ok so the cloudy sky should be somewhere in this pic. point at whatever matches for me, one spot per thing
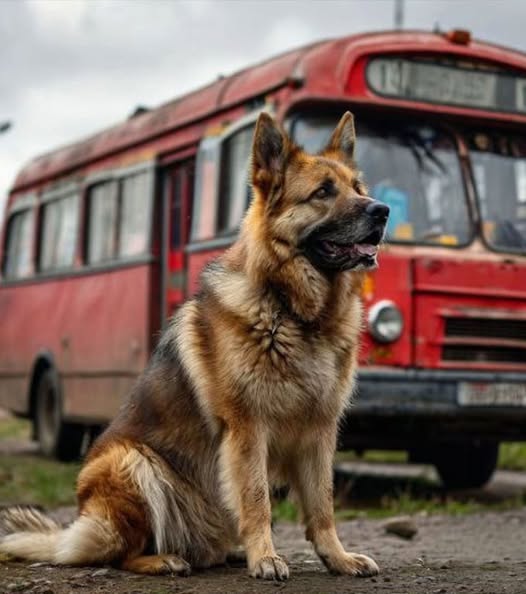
(71, 67)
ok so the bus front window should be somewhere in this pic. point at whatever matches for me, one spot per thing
(414, 169)
(499, 170)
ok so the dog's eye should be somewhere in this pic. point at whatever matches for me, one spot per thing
(324, 191)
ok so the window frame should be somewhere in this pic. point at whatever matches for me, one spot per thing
(117, 176)
(54, 195)
(23, 203)
(224, 171)
(481, 233)
(453, 132)
(215, 144)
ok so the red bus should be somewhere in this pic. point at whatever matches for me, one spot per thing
(105, 238)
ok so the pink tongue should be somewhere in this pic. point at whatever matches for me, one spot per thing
(366, 249)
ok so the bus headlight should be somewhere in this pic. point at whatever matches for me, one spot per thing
(385, 321)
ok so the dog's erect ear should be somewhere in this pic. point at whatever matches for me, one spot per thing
(269, 152)
(343, 138)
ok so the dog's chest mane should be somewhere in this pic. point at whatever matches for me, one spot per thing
(269, 353)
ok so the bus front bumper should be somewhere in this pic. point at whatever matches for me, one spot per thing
(398, 408)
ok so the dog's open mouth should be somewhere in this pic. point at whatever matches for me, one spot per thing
(349, 255)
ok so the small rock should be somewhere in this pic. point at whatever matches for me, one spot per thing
(100, 572)
(80, 575)
(20, 587)
(39, 564)
(403, 526)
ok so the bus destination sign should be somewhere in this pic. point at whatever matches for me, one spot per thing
(445, 84)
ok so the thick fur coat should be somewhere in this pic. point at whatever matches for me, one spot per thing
(244, 391)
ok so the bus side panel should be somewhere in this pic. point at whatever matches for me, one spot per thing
(95, 326)
(14, 393)
(196, 262)
(15, 365)
(95, 399)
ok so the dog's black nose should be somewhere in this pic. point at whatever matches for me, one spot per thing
(378, 211)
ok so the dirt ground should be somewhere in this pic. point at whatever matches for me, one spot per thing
(481, 553)
(473, 554)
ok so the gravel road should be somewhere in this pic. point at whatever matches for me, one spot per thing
(475, 554)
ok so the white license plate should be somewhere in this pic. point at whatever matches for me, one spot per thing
(482, 394)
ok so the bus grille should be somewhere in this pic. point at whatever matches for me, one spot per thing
(485, 340)
(484, 354)
(486, 328)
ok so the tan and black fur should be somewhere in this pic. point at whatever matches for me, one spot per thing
(244, 391)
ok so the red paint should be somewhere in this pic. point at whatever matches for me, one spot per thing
(99, 326)
(463, 288)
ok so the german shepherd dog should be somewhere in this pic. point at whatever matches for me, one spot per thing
(244, 390)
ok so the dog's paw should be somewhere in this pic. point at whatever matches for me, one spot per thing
(270, 568)
(352, 564)
(176, 566)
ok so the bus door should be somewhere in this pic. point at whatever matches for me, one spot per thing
(178, 183)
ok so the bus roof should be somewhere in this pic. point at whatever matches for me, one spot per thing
(319, 65)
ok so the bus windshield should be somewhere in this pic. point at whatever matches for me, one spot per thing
(499, 170)
(414, 169)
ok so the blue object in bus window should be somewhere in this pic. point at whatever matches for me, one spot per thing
(397, 201)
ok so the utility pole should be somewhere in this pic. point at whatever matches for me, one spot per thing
(399, 14)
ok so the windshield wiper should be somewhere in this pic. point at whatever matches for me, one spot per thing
(415, 143)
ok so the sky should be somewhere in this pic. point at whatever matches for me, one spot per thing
(71, 67)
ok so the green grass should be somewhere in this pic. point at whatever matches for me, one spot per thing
(31, 479)
(12, 428)
(404, 503)
(382, 497)
(386, 456)
(284, 511)
(512, 456)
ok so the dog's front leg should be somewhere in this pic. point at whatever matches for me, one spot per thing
(313, 480)
(245, 482)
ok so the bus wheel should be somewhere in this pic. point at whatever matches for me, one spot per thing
(466, 466)
(57, 439)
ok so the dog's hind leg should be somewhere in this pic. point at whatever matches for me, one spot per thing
(157, 565)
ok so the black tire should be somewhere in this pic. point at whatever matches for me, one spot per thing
(465, 465)
(57, 438)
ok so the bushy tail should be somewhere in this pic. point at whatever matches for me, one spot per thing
(22, 518)
(27, 533)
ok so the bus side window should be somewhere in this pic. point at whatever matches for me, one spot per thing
(234, 192)
(58, 235)
(135, 215)
(18, 247)
(102, 222)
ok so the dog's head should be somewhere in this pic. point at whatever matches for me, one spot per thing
(316, 205)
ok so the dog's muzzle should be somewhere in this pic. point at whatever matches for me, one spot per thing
(349, 242)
